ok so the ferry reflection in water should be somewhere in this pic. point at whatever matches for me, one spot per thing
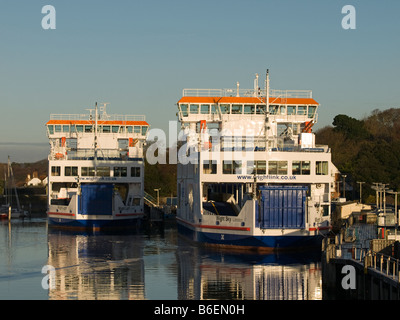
(96, 266)
(167, 267)
(210, 274)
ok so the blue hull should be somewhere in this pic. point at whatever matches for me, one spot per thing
(250, 242)
(94, 224)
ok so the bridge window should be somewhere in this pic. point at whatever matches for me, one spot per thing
(260, 109)
(214, 109)
(311, 111)
(225, 108)
(88, 128)
(237, 108)
(248, 109)
(194, 108)
(302, 110)
(144, 130)
(79, 128)
(136, 129)
(273, 109)
(115, 129)
(291, 110)
(184, 110)
(205, 109)
(51, 129)
(65, 128)
(58, 128)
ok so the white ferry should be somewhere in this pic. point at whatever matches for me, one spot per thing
(253, 176)
(96, 170)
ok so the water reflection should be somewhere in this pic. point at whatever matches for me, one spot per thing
(164, 266)
(212, 274)
(96, 266)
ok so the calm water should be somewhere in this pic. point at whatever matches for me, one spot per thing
(157, 265)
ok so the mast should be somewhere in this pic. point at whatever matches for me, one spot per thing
(95, 140)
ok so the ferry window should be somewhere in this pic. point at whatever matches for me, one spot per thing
(205, 109)
(321, 168)
(214, 109)
(136, 129)
(144, 130)
(231, 167)
(87, 171)
(120, 171)
(51, 129)
(70, 171)
(79, 128)
(311, 111)
(65, 128)
(209, 167)
(103, 171)
(227, 167)
(72, 128)
(225, 108)
(282, 110)
(273, 109)
(194, 108)
(58, 128)
(88, 128)
(55, 171)
(257, 167)
(135, 172)
(291, 110)
(106, 129)
(301, 167)
(184, 110)
(248, 109)
(260, 109)
(129, 129)
(301, 110)
(115, 129)
(237, 109)
(121, 129)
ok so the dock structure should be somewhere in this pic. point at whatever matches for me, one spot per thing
(364, 269)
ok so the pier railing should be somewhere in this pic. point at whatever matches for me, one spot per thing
(378, 261)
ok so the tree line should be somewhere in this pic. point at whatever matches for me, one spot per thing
(366, 150)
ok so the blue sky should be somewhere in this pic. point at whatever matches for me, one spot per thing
(139, 55)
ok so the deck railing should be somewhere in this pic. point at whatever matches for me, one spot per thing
(194, 92)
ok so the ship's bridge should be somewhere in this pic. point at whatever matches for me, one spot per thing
(276, 124)
(79, 136)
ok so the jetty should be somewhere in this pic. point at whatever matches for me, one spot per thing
(357, 265)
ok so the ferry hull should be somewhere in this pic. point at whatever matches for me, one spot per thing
(249, 241)
(93, 224)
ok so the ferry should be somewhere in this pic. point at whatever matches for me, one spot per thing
(96, 170)
(250, 175)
